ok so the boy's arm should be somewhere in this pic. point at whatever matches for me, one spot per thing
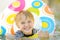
(43, 35)
(20, 39)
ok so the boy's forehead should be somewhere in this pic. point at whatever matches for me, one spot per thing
(25, 16)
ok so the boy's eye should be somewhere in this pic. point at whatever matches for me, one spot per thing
(29, 21)
(22, 22)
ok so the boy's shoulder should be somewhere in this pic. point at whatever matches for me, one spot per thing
(18, 34)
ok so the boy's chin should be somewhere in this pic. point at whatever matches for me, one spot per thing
(27, 31)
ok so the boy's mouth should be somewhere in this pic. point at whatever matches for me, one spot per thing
(27, 29)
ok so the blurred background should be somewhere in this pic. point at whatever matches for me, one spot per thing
(4, 3)
(54, 5)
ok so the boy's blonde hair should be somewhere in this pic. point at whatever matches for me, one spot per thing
(27, 14)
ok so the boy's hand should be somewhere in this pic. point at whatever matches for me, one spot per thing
(43, 35)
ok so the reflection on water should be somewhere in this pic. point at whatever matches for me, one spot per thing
(55, 37)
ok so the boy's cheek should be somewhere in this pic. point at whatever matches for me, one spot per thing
(21, 28)
(31, 24)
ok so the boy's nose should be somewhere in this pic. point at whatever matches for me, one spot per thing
(26, 24)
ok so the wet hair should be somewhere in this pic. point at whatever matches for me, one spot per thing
(27, 14)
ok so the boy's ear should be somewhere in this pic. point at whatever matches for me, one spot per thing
(18, 27)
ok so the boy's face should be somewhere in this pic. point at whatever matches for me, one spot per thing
(26, 24)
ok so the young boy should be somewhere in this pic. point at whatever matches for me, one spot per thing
(25, 22)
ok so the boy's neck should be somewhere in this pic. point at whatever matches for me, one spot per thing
(29, 33)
